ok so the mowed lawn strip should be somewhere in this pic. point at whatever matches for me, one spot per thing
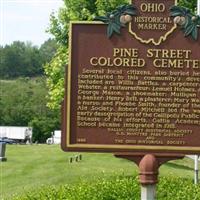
(31, 166)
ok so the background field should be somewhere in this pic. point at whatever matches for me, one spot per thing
(30, 167)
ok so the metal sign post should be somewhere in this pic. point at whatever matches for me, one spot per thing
(149, 170)
(196, 169)
(148, 192)
(149, 166)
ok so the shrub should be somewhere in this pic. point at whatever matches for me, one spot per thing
(120, 188)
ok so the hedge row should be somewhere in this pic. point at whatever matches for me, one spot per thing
(126, 188)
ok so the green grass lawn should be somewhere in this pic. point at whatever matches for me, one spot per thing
(30, 167)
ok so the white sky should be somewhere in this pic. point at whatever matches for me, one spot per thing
(26, 20)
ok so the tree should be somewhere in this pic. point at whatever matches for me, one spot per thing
(23, 103)
(43, 126)
(191, 4)
(24, 59)
(48, 50)
(20, 59)
(59, 27)
(55, 71)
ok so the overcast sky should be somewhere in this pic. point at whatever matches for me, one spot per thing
(26, 20)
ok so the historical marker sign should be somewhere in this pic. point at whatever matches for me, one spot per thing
(138, 91)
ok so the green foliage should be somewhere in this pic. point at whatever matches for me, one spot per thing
(59, 28)
(104, 6)
(24, 59)
(177, 189)
(191, 24)
(20, 59)
(48, 50)
(55, 71)
(191, 4)
(20, 99)
(23, 103)
(43, 126)
(118, 188)
(113, 18)
(72, 10)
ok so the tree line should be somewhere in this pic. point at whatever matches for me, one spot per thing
(23, 103)
(21, 59)
(23, 99)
